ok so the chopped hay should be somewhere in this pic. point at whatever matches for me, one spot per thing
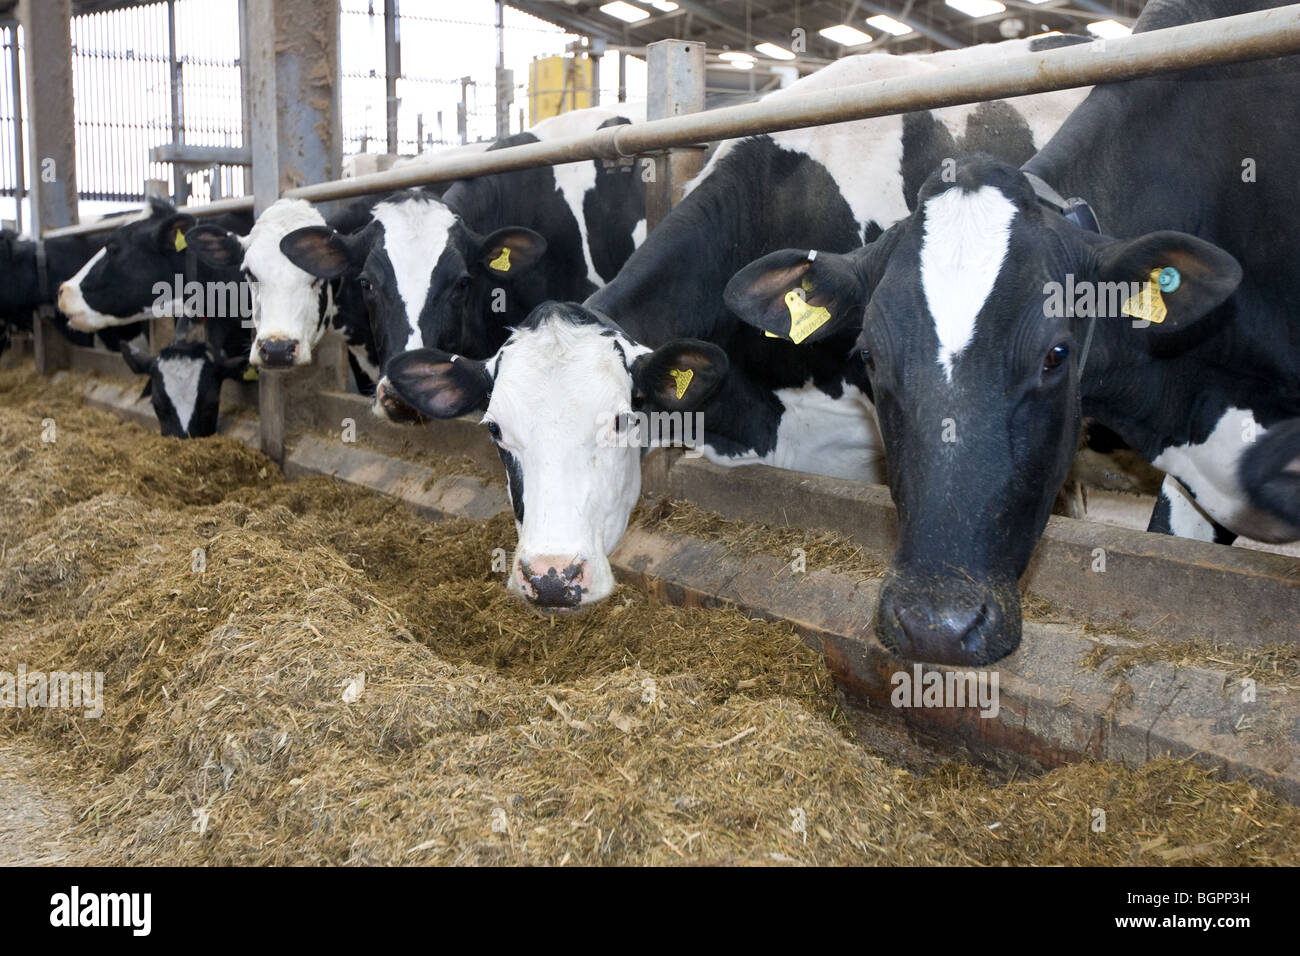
(345, 682)
(823, 550)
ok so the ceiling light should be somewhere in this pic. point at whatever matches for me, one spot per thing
(733, 56)
(624, 11)
(977, 8)
(1109, 29)
(774, 51)
(889, 25)
(667, 6)
(845, 35)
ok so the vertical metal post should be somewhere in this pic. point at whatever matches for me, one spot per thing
(245, 93)
(392, 69)
(675, 86)
(622, 76)
(462, 111)
(294, 54)
(16, 87)
(47, 27)
(502, 83)
(180, 185)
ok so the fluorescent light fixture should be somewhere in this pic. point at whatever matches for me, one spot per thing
(774, 51)
(1049, 33)
(736, 56)
(1039, 1)
(974, 8)
(1109, 29)
(845, 35)
(741, 64)
(889, 25)
(667, 6)
(624, 11)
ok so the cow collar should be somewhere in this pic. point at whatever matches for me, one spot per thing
(1075, 210)
(1080, 213)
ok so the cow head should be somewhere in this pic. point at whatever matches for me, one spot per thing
(184, 385)
(554, 398)
(291, 307)
(427, 278)
(117, 285)
(976, 379)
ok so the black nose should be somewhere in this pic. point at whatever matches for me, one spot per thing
(277, 353)
(943, 636)
(554, 588)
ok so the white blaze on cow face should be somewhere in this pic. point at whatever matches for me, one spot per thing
(558, 386)
(416, 232)
(287, 304)
(180, 379)
(967, 235)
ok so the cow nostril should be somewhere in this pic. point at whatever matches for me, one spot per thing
(555, 587)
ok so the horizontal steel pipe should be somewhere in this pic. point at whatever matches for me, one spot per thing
(1250, 36)
(220, 207)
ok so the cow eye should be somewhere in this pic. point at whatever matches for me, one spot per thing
(1055, 357)
(462, 283)
(494, 430)
(869, 359)
(364, 284)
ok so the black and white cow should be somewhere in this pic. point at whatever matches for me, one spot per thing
(292, 309)
(1190, 348)
(147, 268)
(184, 384)
(32, 271)
(458, 272)
(762, 399)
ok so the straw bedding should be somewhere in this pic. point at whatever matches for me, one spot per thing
(346, 683)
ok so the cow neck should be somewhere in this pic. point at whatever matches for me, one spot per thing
(1140, 185)
(653, 310)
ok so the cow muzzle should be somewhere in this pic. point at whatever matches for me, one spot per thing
(390, 407)
(556, 582)
(936, 623)
(276, 353)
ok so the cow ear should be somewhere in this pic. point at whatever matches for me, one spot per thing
(1270, 471)
(170, 234)
(324, 253)
(438, 384)
(681, 375)
(798, 295)
(140, 362)
(215, 247)
(1177, 278)
(512, 250)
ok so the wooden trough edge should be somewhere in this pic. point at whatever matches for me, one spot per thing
(1050, 710)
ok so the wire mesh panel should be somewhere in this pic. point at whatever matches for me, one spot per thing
(162, 74)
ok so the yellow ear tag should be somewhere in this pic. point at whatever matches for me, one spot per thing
(250, 374)
(683, 379)
(1147, 304)
(804, 318)
(502, 262)
(181, 244)
(771, 335)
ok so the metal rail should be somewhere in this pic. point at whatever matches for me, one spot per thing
(1251, 36)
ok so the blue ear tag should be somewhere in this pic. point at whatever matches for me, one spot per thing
(1170, 280)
